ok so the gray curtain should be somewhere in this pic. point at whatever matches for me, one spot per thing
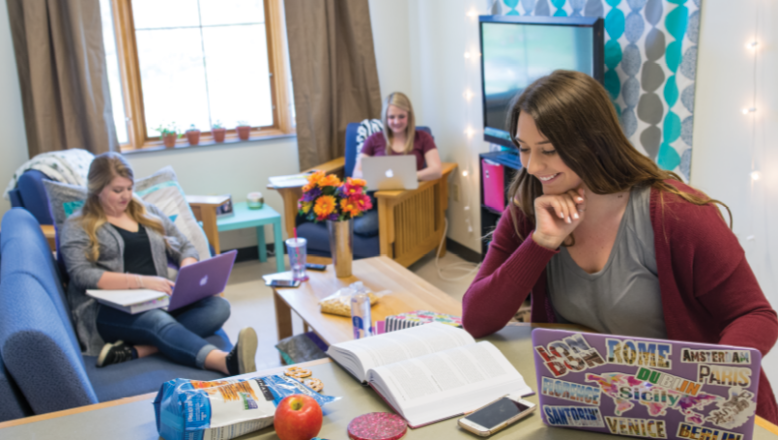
(333, 71)
(62, 73)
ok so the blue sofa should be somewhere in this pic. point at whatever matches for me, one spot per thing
(38, 345)
(318, 241)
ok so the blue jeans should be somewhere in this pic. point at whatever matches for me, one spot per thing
(177, 334)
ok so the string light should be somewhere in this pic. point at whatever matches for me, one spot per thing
(467, 54)
(465, 173)
(756, 175)
(749, 110)
(752, 45)
(468, 95)
(469, 132)
(472, 13)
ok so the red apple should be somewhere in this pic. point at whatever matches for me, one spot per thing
(298, 417)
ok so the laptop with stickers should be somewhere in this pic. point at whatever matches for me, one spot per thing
(650, 388)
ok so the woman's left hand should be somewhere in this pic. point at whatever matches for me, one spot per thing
(187, 261)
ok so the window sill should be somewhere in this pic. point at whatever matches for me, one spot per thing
(205, 141)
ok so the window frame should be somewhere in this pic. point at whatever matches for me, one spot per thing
(132, 89)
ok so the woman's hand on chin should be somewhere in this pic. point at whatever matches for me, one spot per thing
(557, 216)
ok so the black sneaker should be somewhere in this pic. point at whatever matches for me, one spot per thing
(114, 353)
(240, 359)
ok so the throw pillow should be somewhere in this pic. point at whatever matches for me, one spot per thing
(64, 200)
(162, 190)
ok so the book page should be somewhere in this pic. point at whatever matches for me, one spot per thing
(403, 344)
(450, 382)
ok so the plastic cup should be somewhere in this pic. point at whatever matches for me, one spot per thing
(296, 248)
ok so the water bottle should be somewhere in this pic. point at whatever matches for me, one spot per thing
(360, 312)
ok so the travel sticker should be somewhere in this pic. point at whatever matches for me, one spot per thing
(669, 381)
(639, 354)
(735, 411)
(573, 416)
(574, 392)
(699, 432)
(724, 375)
(572, 353)
(649, 428)
(626, 390)
(690, 356)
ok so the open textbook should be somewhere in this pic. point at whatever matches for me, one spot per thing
(430, 372)
(131, 301)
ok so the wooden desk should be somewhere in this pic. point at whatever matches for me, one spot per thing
(134, 418)
(408, 293)
(204, 210)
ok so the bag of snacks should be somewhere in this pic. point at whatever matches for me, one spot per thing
(223, 409)
(339, 303)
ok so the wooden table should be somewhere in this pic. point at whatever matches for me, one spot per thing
(408, 293)
(133, 418)
(244, 217)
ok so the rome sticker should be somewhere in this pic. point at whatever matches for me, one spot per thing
(648, 428)
(572, 353)
(639, 354)
(577, 416)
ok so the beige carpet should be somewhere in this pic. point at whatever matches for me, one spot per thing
(252, 301)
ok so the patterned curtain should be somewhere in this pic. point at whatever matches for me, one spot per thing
(650, 67)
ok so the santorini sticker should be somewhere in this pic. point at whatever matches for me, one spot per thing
(690, 356)
(640, 354)
(735, 411)
(698, 432)
(649, 428)
(573, 416)
(571, 354)
(573, 392)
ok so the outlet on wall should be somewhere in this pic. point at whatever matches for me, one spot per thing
(455, 191)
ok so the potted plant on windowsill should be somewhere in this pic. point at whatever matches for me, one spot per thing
(193, 135)
(218, 131)
(169, 135)
(244, 130)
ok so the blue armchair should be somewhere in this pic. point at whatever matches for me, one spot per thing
(38, 346)
(410, 223)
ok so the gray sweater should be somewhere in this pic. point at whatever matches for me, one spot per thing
(84, 273)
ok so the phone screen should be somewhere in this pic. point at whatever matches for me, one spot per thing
(282, 283)
(497, 413)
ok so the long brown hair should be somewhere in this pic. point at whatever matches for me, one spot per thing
(102, 171)
(575, 114)
(399, 100)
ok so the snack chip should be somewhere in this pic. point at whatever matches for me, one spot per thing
(223, 409)
(339, 303)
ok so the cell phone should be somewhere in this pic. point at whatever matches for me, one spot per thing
(284, 283)
(495, 416)
(312, 266)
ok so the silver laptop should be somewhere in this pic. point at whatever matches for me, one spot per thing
(390, 172)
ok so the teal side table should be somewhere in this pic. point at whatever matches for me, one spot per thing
(257, 218)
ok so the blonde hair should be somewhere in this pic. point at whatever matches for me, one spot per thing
(102, 171)
(399, 100)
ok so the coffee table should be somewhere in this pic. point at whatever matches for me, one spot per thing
(408, 292)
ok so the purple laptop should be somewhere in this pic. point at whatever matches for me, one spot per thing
(641, 387)
(202, 279)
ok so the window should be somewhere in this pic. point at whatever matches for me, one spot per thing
(184, 63)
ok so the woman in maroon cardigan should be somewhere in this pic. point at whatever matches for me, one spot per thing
(600, 236)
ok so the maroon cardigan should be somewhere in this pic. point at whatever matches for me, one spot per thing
(709, 293)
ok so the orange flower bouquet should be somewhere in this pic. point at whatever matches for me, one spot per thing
(325, 197)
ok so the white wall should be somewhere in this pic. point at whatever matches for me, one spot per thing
(728, 144)
(13, 140)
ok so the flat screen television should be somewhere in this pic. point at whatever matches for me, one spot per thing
(515, 51)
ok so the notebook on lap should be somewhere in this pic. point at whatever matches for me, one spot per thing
(201, 280)
(648, 388)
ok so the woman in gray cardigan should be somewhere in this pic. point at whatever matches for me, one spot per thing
(117, 242)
